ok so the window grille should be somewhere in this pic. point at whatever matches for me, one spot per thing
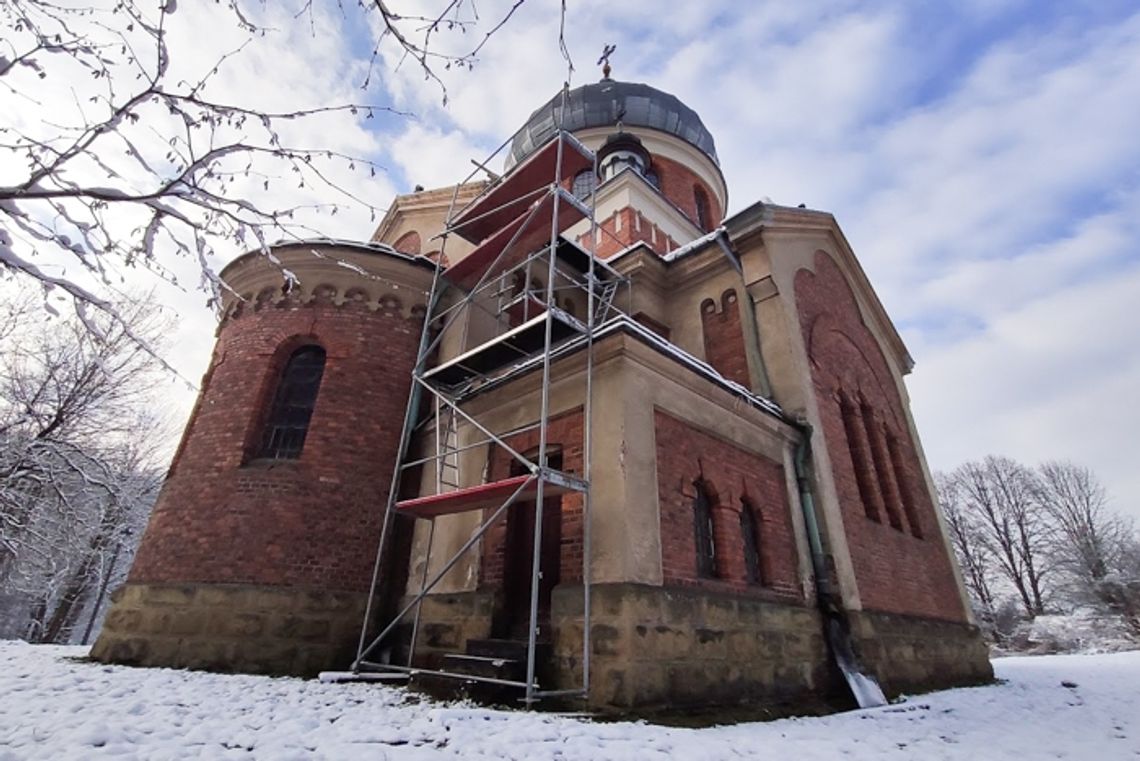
(706, 545)
(293, 404)
(750, 530)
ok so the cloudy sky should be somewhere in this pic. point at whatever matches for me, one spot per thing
(981, 156)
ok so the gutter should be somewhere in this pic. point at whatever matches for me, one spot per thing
(864, 687)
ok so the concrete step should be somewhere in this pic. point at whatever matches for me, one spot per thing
(509, 649)
(491, 667)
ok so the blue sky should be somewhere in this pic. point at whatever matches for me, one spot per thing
(981, 156)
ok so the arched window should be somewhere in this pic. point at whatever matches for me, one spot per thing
(704, 215)
(703, 525)
(584, 184)
(293, 404)
(750, 530)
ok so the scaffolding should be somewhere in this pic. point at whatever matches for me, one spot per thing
(522, 274)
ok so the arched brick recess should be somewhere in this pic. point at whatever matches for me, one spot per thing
(724, 337)
(896, 570)
(686, 454)
(408, 243)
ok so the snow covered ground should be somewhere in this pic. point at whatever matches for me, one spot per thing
(52, 707)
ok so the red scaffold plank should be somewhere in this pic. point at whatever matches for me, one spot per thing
(532, 232)
(491, 494)
(516, 191)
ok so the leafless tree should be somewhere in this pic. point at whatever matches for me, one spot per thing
(1093, 547)
(1003, 497)
(115, 154)
(1088, 538)
(78, 451)
(974, 555)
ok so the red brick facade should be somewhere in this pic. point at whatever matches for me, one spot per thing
(628, 226)
(624, 228)
(564, 434)
(685, 455)
(679, 184)
(226, 517)
(887, 509)
(724, 337)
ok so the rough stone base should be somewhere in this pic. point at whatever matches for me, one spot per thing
(232, 628)
(447, 621)
(655, 648)
(917, 655)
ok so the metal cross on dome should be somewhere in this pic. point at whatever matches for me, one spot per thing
(604, 61)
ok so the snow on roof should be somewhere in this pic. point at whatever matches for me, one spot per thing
(624, 323)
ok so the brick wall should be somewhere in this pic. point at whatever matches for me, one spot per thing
(627, 226)
(686, 454)
(223, 517)
(724, 337)
(678, 184)
(564, 431)
(900, 561)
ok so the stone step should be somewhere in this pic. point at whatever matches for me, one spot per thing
(508, 649)
(457, 688)
(486, 666)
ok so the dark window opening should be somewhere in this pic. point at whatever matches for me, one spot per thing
(703, 523)
(584, 184)
(750, 530)
(704, 215)
(293, 404)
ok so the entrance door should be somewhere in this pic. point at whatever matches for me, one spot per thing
(518, 561)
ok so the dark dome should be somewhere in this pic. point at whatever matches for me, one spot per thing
(604, 103)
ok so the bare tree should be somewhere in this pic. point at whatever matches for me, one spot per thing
(1088, 539)
(117, 155)
(974, 555)
(78, 452)
(1093, 547)
(1003, 496)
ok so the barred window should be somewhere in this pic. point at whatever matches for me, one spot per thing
(703, 523)
(293, 404)
(750, 530)
(584, 184)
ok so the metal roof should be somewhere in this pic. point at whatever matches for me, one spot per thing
(607, 102)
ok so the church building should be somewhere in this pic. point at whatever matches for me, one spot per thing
(565, 431)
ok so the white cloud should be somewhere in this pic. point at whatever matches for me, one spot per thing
(991, 187)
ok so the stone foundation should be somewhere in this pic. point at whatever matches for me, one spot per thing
(447, 621)
(667, 648)
(232, 628)
(908, 654)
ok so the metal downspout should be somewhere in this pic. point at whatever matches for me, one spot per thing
(864, 688)
(807, 506)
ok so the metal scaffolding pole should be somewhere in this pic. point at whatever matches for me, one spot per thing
(450, 383)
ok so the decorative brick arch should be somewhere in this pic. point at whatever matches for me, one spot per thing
(408, 243)
(724, 337)
(886, 506)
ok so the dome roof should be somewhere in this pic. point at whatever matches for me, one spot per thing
(607, 102)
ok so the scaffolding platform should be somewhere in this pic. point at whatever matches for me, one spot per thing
(505, 350)
(478, 497)
(495, 207)
(522, 268)
(525, 233)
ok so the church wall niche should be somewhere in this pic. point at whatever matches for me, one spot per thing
(897, 572)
